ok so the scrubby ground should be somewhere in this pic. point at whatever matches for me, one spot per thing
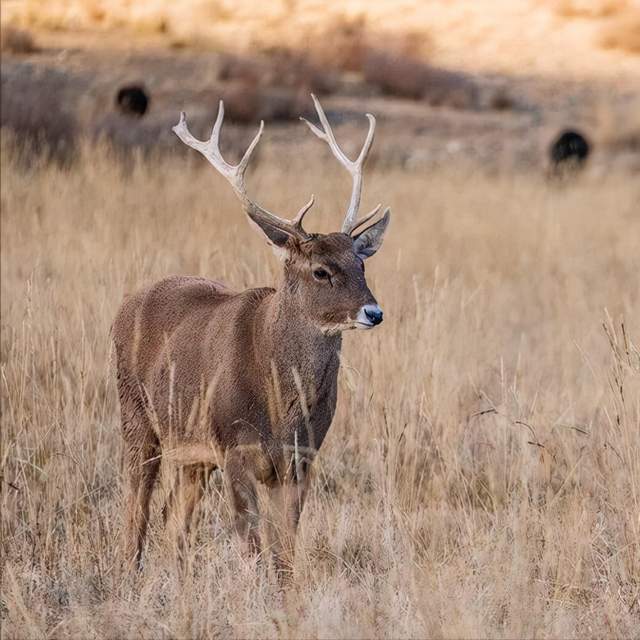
(482, 475)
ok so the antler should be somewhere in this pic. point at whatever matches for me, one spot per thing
(234, 174)
(353, 167)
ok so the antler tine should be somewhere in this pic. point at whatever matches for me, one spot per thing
(297, 221)
(354, 167)
(214, 138)
(210, 149)
(366, 218)
(234, 174)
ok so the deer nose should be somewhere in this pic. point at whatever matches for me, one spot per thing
(371, 314)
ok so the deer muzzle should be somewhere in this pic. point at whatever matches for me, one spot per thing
(369, 316)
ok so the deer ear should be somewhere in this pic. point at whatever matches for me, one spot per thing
(276, 236)
(367, 242)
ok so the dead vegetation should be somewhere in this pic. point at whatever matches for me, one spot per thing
(481, 476)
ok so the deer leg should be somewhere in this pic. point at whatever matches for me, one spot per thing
(240, 481)
(143, 466)
(287, 501)
(142, 462)
(178, 511)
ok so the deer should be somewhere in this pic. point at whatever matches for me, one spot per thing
(244, 382)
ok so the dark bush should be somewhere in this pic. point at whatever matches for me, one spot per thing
(569, 151)
(132, 100)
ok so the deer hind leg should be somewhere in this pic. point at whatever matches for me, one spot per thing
(142, 451)
(143, 465)
(189, 487)
(240, 469)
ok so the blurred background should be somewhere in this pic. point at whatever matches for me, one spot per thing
(493, 83)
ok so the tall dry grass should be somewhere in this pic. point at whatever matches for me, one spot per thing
(482, 475)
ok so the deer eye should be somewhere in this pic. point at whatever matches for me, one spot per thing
(321, 274)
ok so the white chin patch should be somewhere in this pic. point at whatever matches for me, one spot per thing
(362, 320)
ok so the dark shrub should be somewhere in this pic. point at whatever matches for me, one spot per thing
(132, 100)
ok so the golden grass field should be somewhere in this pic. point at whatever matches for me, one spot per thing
(482, 475)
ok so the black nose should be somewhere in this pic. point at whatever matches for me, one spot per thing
(375, 315)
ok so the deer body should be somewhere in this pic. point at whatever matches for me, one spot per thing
(246, 343)
(247, 381)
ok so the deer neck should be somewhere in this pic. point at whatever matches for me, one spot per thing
(295, 361)
(288, 338)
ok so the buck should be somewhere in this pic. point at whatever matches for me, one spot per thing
(245, 382)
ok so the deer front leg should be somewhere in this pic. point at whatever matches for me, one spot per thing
(287, 501)
(240, 480)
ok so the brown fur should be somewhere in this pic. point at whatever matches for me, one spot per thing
(249, 380)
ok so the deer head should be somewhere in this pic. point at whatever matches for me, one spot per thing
(324, 273)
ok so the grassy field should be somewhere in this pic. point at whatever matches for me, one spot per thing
(482, 475)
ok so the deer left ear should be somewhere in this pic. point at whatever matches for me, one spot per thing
(367, 242)
(275, 234)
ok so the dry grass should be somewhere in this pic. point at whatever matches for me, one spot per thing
(482, 476)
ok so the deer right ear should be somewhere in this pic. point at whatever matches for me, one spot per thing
(367, 242)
